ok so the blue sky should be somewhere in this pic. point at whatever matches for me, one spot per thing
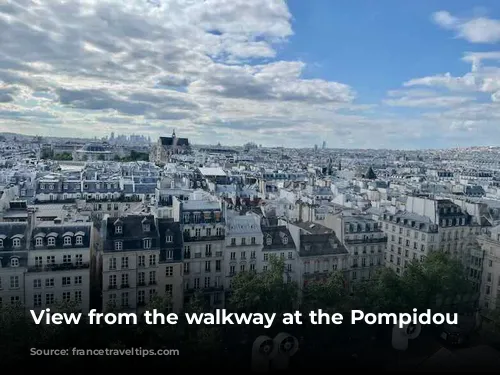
(355, 73)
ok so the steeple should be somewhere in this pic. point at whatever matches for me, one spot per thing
(173, 134)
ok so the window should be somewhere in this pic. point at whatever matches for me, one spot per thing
(14, 282)
(118, 245)
(141, 279)
(207, 266)
(233, 255)
(141, 297)
(218, 265)
(37, 300)
(152, 277)
(16, 242)
(124, 280)
(142, 260)
(14, 262)
(169, 271)
(67, 241)
(252, 240)
(37, 283)
(146, 227)
(147, 244)
(51, 241)
(66, 281)
(243, 241)
(125, 263)
(118, 229)
(49, 283)
(49, 299)
(66, 296)
(112, 281)
(112, 263)
(125, 299)
(152, 260)
(266, 257)
(269, 241)
(67, 258)
(79, 240)
(39, 241)
(285, 240)
(1, 243)
(169, 289)
(170, 254)
(79, 259)
(14, 300)
(169, 239)
(78, 280)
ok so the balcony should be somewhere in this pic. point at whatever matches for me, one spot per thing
(366, 240)
(211, 289)
(59, 267)
(188, 238)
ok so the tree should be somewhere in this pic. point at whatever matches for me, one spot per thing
(330, 295)
(264, 292)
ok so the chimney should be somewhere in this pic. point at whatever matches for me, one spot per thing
(31, 225)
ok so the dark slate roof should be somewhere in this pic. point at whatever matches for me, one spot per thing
(277, 233)
(8, 231)
(167, 227)
(170, 141)
(320, 244)
(59, 231)
(132, 232)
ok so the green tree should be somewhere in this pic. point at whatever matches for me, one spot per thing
(264, 292)
(330, 295)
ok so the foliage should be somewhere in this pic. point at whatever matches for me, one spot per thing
(134, 156)
(265, 292)
(63, 156)
(330, 295)
(438, 276)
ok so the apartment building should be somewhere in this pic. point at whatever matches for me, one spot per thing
(364, 240)
(13, 262)
(244, 243)
(130, 262)
(428, 225)
(320, 253)
(278, 241)
(170, 265)
(58, 268)
(203, 226)
(490, 287)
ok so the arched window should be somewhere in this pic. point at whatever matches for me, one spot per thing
(16, 242)
(51, 241)
(79, 240)
(67, 240)
(14, 262)
(39, 241)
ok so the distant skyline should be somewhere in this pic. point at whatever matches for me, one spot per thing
(355, 74)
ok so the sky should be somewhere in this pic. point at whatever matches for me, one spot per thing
(353, 73)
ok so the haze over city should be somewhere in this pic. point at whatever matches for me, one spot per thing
(294, 74)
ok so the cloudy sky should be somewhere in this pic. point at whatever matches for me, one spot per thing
(358, 73)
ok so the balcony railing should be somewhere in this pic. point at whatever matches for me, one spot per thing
(366, 240)
(59, 267)
(188, 238)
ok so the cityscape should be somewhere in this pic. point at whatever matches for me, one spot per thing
(112, 224)
(259, 158)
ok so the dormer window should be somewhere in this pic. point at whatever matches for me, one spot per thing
(118, 245)
(1, 243)
(39, 241)
(14, 262)
(118, 229)
(79, 240)
(16, 242)
(67, 241)
(285, 240)
(51, 241)
(269, 240)
(169, 239)
(146, 227)
(147, 243)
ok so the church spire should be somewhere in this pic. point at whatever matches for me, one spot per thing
(173, 134)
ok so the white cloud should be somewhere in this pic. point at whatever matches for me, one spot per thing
(474, 30)
(97, 65)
